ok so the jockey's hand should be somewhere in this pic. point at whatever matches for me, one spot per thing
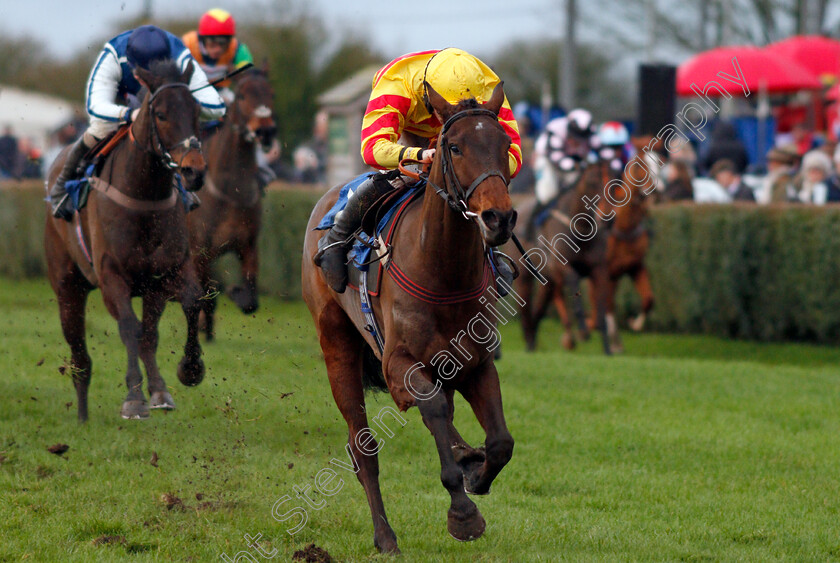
(427, 155)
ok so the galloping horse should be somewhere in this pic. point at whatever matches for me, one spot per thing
(440, 252)
(137, 243)
(575, 231)
(230, 215)
(629, 238)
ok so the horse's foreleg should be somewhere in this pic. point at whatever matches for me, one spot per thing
(153, 305)
(469, 459)
(464, 521)
(641, 281)
(210, 291)
(485, 397)
(524, 287)
(117, 297)
(190, 368)
(343, 357)
(245, 296)
(559, 298)
(606, 318)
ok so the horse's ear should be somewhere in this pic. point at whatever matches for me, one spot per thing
(186, 76)
(264, 66)
(145, 77)
(641, 142)
(497, 99)
(438, 102)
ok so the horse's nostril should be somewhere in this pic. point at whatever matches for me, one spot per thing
(490, 218)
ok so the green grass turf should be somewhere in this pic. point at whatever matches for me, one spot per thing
(684, 448)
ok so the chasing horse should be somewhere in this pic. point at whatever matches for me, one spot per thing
(231, 211)
(629, 236)
(572, 237)
(435, 284)
(130, 239)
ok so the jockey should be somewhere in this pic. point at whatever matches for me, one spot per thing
(613, 138)
(217, 50)
(399, 109)
(113, 79)
(215, 46)
(560, 154)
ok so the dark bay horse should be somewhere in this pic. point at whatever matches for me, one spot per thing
(440, 248)
(231, 211)
(574, 243)
(131, 241)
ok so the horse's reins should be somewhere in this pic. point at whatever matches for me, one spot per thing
(158, 148)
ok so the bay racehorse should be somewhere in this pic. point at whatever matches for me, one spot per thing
(439, 254)
(131, 241)
(231, 211)
(629, 237)
(573, 244)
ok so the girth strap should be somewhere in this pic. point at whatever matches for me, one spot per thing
(132, 203)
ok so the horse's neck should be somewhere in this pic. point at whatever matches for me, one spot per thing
(447, 247)
(137, 172)
(232, 156)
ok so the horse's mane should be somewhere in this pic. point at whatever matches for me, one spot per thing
(468, 103)
(166, 69)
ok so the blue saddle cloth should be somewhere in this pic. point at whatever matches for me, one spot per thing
(360, 253)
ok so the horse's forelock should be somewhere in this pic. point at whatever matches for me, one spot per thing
(165, 71)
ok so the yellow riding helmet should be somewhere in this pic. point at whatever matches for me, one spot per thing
(455, 75)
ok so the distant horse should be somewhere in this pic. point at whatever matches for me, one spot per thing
(131, 241)
(231, 211)
(629, 238)
(574, 240)
(431, 298)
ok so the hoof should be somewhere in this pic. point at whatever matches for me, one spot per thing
(135, 410)
(468, 527)
(387, 545)
(190, 372)
(244, 299)
(568, 341)
(161, 400)
(638, 324)
(470, 460)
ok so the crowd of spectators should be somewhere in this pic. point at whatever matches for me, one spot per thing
(801, 168)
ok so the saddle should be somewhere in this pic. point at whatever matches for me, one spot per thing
(91, 165)
(381, 219)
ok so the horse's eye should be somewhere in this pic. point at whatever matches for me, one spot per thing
(454, 149)
(160, 116)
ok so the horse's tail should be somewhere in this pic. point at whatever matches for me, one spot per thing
(372, 377)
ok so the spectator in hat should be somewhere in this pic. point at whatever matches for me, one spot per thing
(815, 182)
(726, 174)
(778, 184)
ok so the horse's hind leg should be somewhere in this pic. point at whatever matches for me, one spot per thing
(191, 367)
(464, 521)
(153, 306)
(71, 290)
(485, 397)
(209, 296)
(343, 356)
(117, 297)
(245, 295)
(601, 286)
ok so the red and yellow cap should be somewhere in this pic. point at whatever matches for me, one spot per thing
(216, 22)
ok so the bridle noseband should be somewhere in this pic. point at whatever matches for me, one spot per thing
(458, 201)
(260, 112)
(190, 143)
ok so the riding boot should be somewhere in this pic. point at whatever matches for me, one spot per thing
(62, 204)
(333, 247)
(265, 176)
(531, 227)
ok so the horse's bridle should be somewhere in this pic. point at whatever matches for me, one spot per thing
(191, 143)
(260, 112)
(458, 200)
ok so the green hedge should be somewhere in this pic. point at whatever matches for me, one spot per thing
(745, 271)
(765, 273)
